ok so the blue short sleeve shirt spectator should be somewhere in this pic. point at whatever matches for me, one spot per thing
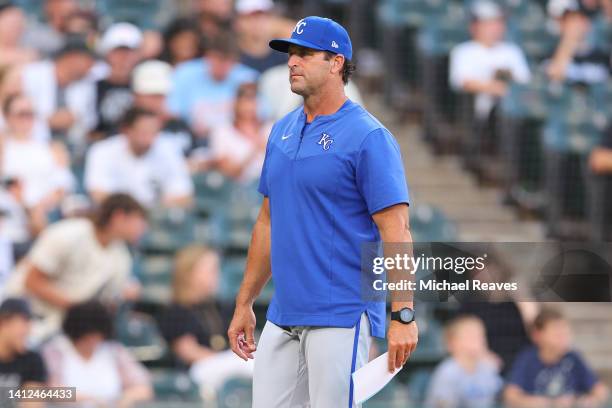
(570, 375)
(324, 180)
(202, 101)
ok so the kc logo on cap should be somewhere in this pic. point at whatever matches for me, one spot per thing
(323, 34)
(299, 27)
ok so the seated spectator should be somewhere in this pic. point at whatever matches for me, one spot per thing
(239, 148)
(62, 95)
(551, 373)
(76, 260)
(469, 377)
(41, 169)
(196, 323)
(138, 162)
(485, 65)
(214, 16)
(577, 59)
(12, 27)
(49, 36)
(182, 42)
(151, 83)
(255, 25)
(204, 89)
(19, 367)
(85, 356)
(119, 45)
(83, 24)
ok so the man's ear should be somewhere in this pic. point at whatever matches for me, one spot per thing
(337, 63)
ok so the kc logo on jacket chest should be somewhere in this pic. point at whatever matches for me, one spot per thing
(325, 141)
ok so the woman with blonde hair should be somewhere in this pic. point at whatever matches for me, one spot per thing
(196, 323)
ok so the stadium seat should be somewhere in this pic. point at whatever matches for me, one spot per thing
(429, 224)
(147, 14)
(175, 387)
(170, 230)
(235, 393)
(139, 333)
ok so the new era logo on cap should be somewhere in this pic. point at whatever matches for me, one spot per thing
(317, 33)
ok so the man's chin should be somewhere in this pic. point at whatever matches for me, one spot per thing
(298, 90)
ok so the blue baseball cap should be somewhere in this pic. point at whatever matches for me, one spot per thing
(318, 33)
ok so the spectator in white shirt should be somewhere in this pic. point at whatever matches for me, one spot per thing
(239, 148)
(138, 162)
(63, 97)
(80, 259)
(41, 168)
(486, 64)
(86, 357)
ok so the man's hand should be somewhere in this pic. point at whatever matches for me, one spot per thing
(241, 332)
(401, 341)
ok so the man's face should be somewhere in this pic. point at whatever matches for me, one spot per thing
(129, 227)
(556, 336)
(308, 70)
(142, 134)
(57, 12)
(16, 330)
(490, 31)
(77, 65)
(220, 65)
(155, 103)
(123, 59)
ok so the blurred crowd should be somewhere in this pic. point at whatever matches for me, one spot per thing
(124, 140)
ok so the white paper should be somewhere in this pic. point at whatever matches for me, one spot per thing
(371, 378)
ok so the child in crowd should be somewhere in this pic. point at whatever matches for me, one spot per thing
(469, 376)
(551, 374)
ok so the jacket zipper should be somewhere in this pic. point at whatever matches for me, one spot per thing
(300, 143)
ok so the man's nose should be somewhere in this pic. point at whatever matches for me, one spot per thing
(293, 60)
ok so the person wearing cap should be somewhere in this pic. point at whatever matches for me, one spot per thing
(120, 47)
(203, 89)
(63, 96)
(19, 367)
(484, 65)
(577, 58)
(255, 25)
(151, 83)
(332, 180)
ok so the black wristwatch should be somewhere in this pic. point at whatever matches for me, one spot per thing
(404, 316)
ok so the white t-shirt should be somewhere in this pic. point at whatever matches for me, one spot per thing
(473, 61)
(226, 141)
(161, 172)
(33, 164)
(69, 253)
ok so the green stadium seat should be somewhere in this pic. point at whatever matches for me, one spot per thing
(170, 230)
(146, 14)
(139, 333)
(429, 224)
(175, 387)
(235, 393)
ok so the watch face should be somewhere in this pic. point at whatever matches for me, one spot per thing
(406, 315)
